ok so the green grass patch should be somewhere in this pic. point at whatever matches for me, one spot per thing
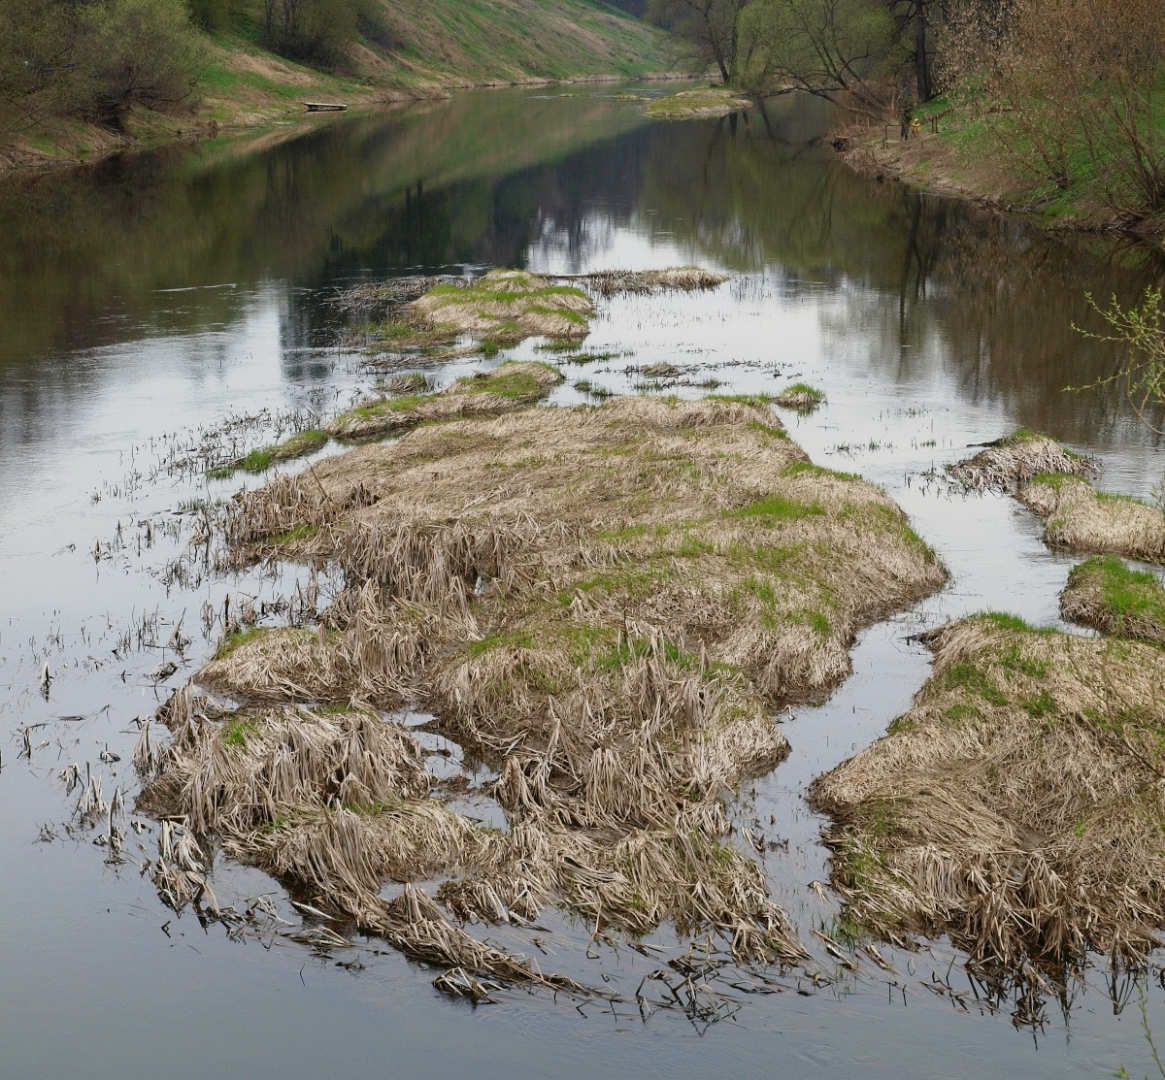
(974, 680)
(776, 508)
(807, 468)
(237, 732)
(238, 639)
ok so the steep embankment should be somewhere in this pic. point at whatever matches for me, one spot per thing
(426, 50)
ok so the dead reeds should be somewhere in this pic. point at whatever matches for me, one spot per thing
(1080, 519)
(1105, 594)
(642, 282)
(1018, 805)
(605, 605)
(1013, 461)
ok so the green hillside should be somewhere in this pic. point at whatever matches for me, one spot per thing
(485, 40)
(146, 71)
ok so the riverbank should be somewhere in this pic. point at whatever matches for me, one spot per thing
(451, 46)
(957, 153)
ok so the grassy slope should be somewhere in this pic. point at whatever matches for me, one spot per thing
(447, 44)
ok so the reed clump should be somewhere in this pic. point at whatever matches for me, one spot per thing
(1015, 460)
(1081, 519)
(605, 605)
(509, 386)
(1105, 594)
(642, 282)
(800, 396)
(1018, 805)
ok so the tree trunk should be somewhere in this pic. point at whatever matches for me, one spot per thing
(921, 59)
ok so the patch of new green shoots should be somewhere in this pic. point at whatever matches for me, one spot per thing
(1040, 706)
(1002, 620)
(1127, 594)
(237, 732)
(776, 508)
(974, 680)
(759, 401)
(260, 460)
(519, 639)
(517, 385)
(800, 396)
(1014, 659)
(238, 639)
(807, 468)
(302, 531)
(958, 713)
(900, 725)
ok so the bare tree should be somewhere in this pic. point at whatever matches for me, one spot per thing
(707, 31)
(842, 50)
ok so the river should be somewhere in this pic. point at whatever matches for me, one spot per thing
(160, 304)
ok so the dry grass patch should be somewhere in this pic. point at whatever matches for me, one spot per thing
(1105, 594)
(501, 308)
(510, 386)
(1081, 519)
(691, 104)
(1010, 462)
(505, 306)
(603, 604)
(1018, 805)
(681, 278)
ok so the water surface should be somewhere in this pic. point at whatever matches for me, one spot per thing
(148, 300)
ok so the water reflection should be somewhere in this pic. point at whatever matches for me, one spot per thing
(163, 291)
(180, 240)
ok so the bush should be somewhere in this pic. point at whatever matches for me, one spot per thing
(134, 52)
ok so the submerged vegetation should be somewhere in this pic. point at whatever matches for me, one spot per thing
(603, 604)
(299, 445)
(1017, 806)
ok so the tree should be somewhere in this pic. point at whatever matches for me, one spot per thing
(707, 31)
(37, 57)
(843, 50)
(133, 52)
(1075, 90)
(1141, 331)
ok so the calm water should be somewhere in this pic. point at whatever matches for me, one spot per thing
(153, 304)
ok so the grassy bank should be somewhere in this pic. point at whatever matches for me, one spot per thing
(435, 47)
(960, 150)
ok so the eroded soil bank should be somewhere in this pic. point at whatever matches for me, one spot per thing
(606, 605)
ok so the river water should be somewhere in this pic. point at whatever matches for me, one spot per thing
(160, 304)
